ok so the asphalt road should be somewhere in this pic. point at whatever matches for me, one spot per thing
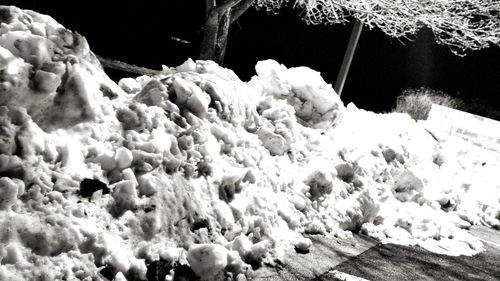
(362, 258)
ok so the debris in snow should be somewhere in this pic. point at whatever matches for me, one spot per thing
(89, 186)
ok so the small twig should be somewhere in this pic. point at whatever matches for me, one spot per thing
(239, 9)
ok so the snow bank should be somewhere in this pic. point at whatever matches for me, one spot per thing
(196, 173)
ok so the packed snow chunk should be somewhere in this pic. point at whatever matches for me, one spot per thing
(6, 58)
(46, 82)
(125, 195)
(315, 102)
(14, 77)
(303, 244)
(155, 93)
(188, 66)
(8, 133)
(207, 260)
(123, 158)
(72, 157)
(242, 245)
(81, 92)
(129, 85)
(9, 191)
(234, 262)
(298, 201)
(189, 95)
(257, 252)
(119, 277)
(230, 184)
(149, 183)
(33, 49)
(275, 143)
(320, 179)
(407, 186)
(107, 160)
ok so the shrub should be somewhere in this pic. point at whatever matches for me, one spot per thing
(418, 102)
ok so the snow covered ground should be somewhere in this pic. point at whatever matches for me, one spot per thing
(196, 168)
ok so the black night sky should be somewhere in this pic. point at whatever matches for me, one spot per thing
(152, 33)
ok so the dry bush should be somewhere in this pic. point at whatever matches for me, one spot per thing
(418, 102)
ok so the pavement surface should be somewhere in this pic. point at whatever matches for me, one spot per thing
(362, 258)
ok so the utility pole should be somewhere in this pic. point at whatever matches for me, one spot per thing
(349, 53)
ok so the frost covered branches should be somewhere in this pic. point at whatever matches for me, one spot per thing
(461, 24)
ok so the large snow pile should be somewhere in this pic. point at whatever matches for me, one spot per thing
(196, 171)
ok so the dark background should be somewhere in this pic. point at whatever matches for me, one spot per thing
(152, 33)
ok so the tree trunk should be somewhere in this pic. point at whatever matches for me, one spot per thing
(214, 41)
(222, 34)
(209, 40)
(216, 29)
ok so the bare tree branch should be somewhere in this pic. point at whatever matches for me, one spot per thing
(239, 9)
(223, 7)
(462, 25)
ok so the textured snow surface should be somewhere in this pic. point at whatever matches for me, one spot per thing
(197, 170)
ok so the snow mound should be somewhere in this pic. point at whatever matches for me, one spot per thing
(194, 172)
(50, 71)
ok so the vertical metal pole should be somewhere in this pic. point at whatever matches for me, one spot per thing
(349, 53)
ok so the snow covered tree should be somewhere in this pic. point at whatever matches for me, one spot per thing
(462, 25)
